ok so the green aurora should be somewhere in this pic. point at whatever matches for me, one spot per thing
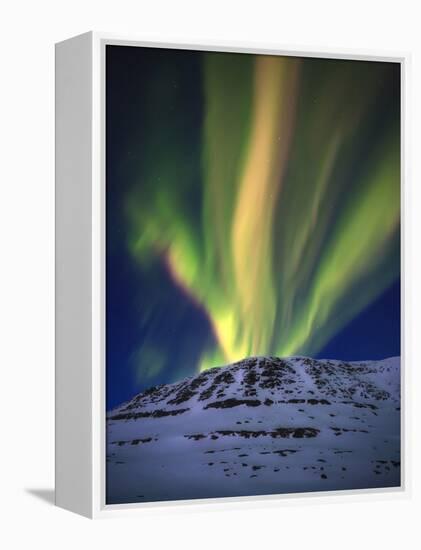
(282, 221)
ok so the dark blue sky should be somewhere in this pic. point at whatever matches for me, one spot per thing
(373, 334)
(146, 311)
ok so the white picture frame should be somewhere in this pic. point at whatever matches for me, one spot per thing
(80, 275)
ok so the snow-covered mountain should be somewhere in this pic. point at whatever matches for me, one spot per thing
(264, 425)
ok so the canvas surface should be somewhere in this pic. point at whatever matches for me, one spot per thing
(252, 274)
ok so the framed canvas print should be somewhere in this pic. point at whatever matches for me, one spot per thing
(229, 282)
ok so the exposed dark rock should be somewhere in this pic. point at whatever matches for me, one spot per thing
(248, 434)
(158, 413)
(232, 402)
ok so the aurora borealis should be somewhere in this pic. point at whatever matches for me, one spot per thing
(253, 208)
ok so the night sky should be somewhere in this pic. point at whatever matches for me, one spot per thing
(253, 208)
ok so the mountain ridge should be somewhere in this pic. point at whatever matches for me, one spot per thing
(248, 363)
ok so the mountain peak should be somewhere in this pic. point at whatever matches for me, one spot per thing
(339, 419)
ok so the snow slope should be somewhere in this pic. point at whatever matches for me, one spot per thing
(264, 425)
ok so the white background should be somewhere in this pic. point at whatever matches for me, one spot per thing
(28, 32)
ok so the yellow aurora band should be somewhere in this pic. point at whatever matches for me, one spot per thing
(298, 225)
